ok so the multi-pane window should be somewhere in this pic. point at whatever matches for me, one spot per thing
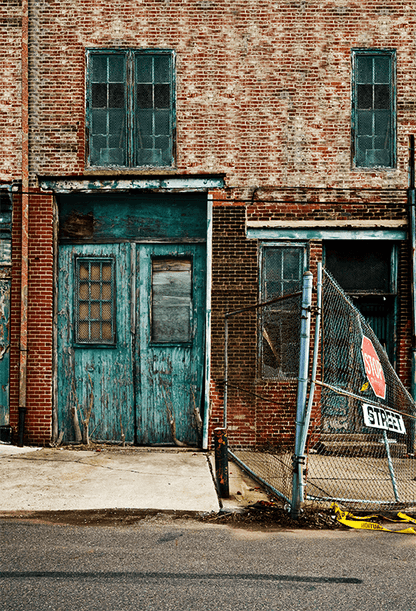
(95, 301)
(373, 109)
(130, 108)
(282, 269)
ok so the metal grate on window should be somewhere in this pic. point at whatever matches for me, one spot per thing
(95, 301)
(281, 274)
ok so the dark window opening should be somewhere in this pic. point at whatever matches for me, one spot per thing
(366, 270)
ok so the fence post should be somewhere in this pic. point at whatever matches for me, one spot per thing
(391, 469)
(221, 462)
(305, 329)
(307, 419)
(225, 371)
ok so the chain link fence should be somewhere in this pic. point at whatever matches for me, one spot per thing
(361, 441)
(360, 446)
(260, 387)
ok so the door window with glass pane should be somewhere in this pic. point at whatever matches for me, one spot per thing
(95, 301)
(281, 274)
(373, 109)
(130, 108)
(171, 300)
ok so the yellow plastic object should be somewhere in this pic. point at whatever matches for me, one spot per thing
(352, 521)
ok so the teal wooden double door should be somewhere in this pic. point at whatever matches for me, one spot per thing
(131, 341)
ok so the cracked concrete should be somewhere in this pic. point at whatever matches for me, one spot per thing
(53, 479)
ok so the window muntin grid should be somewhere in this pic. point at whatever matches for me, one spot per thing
(95, 301)
(373, 109)
(282, 270)
(130, 107)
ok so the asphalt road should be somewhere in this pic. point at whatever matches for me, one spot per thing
(165, 564)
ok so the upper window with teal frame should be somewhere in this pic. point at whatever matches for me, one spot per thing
(130, 108)
(373, 108)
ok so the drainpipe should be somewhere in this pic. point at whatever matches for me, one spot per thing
(24, 270)
(411, 199)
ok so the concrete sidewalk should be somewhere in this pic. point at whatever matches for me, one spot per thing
(168, 479)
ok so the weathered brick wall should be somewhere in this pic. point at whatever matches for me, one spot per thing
(10, 75)
(40, 318)
(263, 96)
(263, 88)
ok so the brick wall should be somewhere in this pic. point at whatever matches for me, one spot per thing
(263, 89)
(263, 97)
(10, 75)
(40, 318)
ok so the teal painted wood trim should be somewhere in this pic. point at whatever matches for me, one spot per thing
(107, 184)
(5, 285)
(326, 234)
(205, 406)
(145, 216)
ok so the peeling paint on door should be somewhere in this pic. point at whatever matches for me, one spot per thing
(4, 344)
(131, 317)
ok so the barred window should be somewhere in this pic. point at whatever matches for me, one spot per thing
(95, 301)
(282, 269)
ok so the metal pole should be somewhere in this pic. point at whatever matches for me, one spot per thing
(390, 462)
(299, 458)
(305, 429)
(221, 462)
(412, 230)
(225, 370)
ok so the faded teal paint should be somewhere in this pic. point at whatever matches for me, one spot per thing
(101, 374)
(169, 375)
(122, 217)
(137, 382)
(5, 283)
(325, 234)
(174, 183)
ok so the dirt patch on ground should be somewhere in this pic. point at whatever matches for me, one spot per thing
(260, 516)
(272, 515)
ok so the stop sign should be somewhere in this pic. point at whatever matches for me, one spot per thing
(373, 368)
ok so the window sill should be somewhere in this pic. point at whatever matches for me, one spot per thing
(377, 170)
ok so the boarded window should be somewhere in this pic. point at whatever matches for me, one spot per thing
(373, 109)
(171, 300)
(130, 114)
(95, 301)
(281, 274)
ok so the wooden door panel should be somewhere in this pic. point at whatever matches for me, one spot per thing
(170, 342)
(95, 369)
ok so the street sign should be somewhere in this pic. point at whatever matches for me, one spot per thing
(373, 368)
(381, 418)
